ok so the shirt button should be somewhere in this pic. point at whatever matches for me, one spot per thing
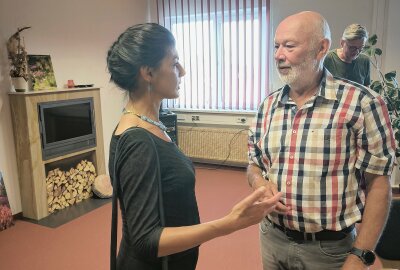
(291, 157)
(294, 131)
(288, 183)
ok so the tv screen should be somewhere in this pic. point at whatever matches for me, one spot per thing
(67, 122)
(66, 126)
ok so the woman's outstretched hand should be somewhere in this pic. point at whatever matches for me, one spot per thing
(247, 212)
(252, 209)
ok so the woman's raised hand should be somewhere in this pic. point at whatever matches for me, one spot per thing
(252, 209)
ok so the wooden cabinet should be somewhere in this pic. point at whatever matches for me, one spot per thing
(32, 168)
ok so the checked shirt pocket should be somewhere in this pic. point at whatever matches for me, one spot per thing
(326, 147)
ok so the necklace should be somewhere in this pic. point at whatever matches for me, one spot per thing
(146, 119)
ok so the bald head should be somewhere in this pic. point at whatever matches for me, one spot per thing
(309, 24)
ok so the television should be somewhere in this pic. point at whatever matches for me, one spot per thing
(66, 126)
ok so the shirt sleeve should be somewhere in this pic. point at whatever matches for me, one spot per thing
(376, 144)
(251, 144)
(139, 188)
(255, 154)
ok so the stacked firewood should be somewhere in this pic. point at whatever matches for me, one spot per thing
(65, 188)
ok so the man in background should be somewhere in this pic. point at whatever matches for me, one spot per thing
(312, 140)
(348, 62)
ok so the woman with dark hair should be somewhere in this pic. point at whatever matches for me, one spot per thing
(158, 203)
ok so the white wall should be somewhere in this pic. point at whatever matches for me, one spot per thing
(77, 35)
(392, 55)
(391, 48)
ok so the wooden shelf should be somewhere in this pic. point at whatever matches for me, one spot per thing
(44, 92)
(31, 166)
(69, 155)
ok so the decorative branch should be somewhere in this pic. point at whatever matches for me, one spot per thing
(17, 55)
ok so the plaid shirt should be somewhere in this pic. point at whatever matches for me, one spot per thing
(316, 154)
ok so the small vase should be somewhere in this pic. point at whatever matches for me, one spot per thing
(19, 83)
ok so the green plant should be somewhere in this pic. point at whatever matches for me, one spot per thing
(17, 55)
(387, 86)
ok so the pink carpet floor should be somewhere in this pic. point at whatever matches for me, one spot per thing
(84, 242)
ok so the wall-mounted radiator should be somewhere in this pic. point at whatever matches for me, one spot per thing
(227, 146)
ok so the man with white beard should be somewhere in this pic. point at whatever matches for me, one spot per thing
(312, 140)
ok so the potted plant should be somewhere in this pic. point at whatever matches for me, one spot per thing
(387, 86)
(17, 56)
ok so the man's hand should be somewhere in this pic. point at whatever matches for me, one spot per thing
(256, 180)
(270, 192)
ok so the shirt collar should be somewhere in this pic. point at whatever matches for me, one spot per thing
(329, 86)
(327, 89)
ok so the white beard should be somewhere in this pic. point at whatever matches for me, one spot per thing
(297, 72)
(292, 75)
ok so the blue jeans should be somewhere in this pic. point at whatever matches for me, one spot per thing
(278, 252)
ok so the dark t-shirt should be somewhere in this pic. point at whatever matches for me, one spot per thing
(357, 71)
(138, 197)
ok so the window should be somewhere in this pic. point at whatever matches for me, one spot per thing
(223, 46)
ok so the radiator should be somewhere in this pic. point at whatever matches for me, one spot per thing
(222, 146)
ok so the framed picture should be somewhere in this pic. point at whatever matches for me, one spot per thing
(6, 217)
(42, 72)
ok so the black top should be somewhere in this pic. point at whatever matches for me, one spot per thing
(357, 71)
(138, 198)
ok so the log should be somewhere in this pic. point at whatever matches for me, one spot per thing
(65, 188)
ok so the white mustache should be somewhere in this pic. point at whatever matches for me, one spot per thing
(281, 65)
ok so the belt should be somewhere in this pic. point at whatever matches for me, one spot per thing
(324, 235)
